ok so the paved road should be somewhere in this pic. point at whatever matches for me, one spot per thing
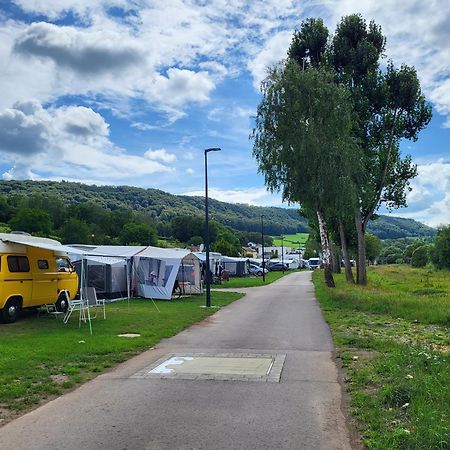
(302, 411)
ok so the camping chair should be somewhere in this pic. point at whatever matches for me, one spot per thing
(74, 305)
(94, 302)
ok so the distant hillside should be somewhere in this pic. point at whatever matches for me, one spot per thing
(390, 227)
(164, 206)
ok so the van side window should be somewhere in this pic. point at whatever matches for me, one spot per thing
(18, 264)
(42, 264)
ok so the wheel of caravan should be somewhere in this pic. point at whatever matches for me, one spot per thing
(11, 311)
(62, 304)
(259, 273)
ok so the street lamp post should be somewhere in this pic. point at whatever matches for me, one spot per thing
(262, 241)
(207, 269)
(282, 253)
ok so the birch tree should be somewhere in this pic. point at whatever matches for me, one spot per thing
(303, 144)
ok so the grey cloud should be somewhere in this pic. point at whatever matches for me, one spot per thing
(20, 133)
(70, 48)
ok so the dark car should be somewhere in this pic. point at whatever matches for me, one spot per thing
(277, 266)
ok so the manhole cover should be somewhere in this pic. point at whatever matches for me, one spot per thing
(237, 367)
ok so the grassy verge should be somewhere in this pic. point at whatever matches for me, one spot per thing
(41, 357)
(252, 281)
(393, 338)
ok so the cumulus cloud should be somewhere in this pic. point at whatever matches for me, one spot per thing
(181, 86)
(21, 133)
(87, 53)
(68, 142)
(429, 200)
(160, 155)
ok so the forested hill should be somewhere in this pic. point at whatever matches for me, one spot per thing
(164, 206)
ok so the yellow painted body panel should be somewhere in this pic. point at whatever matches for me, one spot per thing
(42, 284)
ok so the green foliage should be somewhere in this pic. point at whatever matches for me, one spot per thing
(312, 248)
(138, 234)
(106, 209)
(390, 227)
(75, 231)
(421, 256)
(309, 44)
(391, 254)
(32, 220)
(302, 137)
(6, 210)
(440, 254)
(224, 247)
(373, 247)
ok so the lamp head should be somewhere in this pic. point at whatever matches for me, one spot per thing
(215, 149)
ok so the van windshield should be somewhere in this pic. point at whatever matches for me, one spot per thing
(63, 265)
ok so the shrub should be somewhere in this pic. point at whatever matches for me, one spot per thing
(420, 256)
(440, 254)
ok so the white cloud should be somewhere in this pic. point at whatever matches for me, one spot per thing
(274, 50)
(429, 200)
(182, 86)
(250, 196)
(68, 142)
(86, 52)
(160, 155)
(190, 171)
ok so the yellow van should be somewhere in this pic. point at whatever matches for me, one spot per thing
(32, 275)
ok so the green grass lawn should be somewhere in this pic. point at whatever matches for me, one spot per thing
(291, 240)
(393, 338)
(252, 281)
(41, 357)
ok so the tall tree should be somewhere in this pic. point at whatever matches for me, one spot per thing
(389, 106)
(302, 142)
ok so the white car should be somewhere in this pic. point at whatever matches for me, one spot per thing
(257, 270)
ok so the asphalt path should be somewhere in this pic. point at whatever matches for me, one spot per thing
(302, 411)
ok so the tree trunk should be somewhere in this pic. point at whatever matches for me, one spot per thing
(335, 258)
(326, 250)
(361, 260)
(347, 264)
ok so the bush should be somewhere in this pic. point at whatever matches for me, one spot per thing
(420, 256)
(440, 254)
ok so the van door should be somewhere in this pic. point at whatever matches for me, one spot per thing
(18, 279)
(45, 281)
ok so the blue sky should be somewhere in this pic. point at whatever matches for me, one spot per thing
(132, 91)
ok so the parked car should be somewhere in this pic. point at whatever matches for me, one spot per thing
(278, 266)
(257, 270)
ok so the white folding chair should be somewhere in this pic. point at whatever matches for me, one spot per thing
(74, 305)
(94, 302)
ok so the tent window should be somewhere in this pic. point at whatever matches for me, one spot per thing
(18, 264)
(42, 264)
(97, 277)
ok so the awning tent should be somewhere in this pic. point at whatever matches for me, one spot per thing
(236, 267)
(106, 274)
(156, 269)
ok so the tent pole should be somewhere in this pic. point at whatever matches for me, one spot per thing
(128, 282)
(83, 270)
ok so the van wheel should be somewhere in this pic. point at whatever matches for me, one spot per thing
(11, 311)
(62, 304)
